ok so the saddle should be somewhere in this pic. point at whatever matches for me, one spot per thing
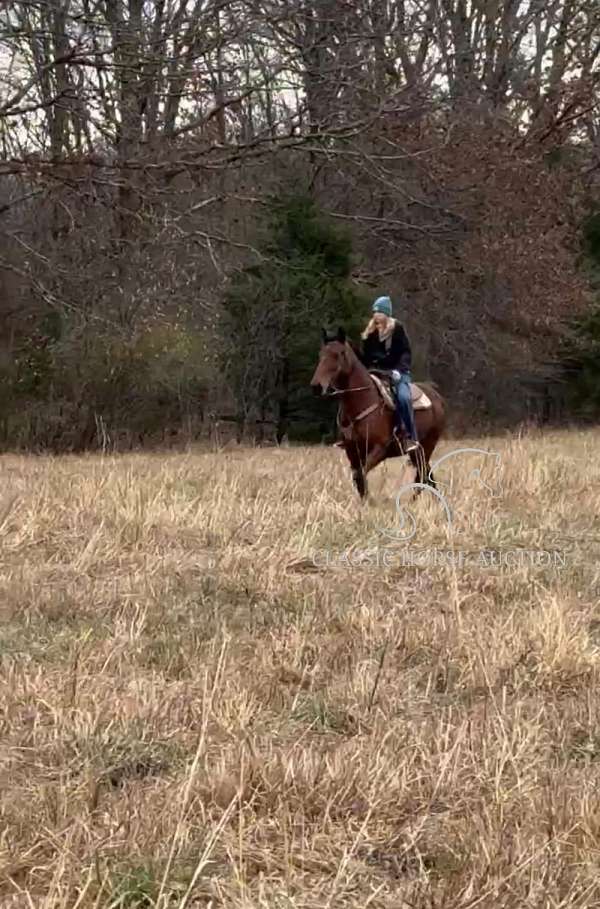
(383, 383)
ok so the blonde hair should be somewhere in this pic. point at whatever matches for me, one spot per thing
(389, 325)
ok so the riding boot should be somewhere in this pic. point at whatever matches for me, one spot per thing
(398, 421)
(405, 418)
(399, 429)
(409, 421)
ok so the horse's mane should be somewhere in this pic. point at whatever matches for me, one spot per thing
(355, 348)
(330, 337)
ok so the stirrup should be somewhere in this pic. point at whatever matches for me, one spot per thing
(400, 438)
(405, 443)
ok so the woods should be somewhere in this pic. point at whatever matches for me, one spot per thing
(189, 188)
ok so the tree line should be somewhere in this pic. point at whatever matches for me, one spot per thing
(190, 188)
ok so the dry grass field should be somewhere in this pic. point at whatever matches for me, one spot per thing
(223, 685)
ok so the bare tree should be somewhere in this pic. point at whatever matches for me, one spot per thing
(139, 141)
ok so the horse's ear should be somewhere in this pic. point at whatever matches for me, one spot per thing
(341, 335)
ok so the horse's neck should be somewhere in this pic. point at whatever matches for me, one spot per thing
(360, 380)
(359, 375)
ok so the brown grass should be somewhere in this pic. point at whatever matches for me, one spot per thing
(194, 713)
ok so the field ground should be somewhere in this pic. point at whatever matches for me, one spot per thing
(222, 684)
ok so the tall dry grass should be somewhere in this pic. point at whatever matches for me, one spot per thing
(211, 695)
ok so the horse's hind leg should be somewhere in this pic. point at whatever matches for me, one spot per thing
(420, 461)
(425, 474)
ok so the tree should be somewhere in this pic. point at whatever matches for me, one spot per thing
(459, 142)
(275, 310)
(580, 360)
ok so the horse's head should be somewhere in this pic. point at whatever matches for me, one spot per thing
(335, 364)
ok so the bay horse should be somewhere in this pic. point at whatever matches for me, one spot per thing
(365, 420)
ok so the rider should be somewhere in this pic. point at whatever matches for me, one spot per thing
(386, 346)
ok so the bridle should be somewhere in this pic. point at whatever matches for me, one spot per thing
(364, 413)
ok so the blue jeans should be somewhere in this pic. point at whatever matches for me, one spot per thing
(404, 408)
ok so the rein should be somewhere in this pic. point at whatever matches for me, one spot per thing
(344, 391)
(364, 413)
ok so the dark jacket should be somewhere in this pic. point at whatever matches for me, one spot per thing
(393, 353)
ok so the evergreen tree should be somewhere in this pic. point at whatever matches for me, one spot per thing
(275, 311)
(581, 359)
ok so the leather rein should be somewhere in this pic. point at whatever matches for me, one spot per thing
(364, 413)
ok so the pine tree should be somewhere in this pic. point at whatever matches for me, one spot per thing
(581, 357)
(275, 311)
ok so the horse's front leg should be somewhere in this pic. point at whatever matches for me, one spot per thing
(375, 456)
(358, 472)
(362, 465)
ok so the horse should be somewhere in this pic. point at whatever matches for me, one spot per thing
(366, 420)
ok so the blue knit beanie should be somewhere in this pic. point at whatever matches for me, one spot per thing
(384, 305)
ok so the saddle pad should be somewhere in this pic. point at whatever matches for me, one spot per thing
(420, 401)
